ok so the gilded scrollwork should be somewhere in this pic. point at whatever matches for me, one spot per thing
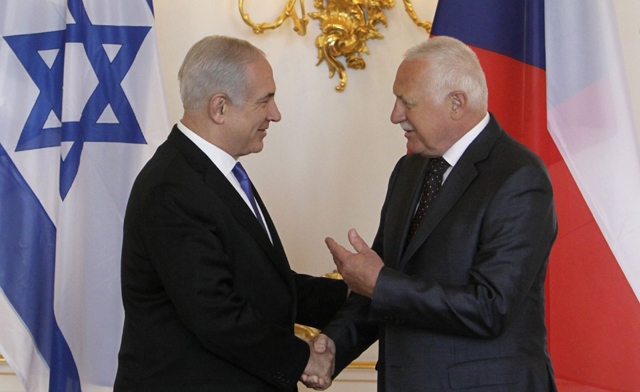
(299, 23)
(346, 26)
(408, 6)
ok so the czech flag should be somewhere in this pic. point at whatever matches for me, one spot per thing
(557, 83)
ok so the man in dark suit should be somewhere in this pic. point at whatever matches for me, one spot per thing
(453, 285)
(210, 300)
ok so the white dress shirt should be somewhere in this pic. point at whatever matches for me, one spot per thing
(453, 154)
(224, 162)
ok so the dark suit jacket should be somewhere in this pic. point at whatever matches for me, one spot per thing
(210, 303)
(462, 308)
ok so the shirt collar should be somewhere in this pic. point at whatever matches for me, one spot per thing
(453, 154)
(223, 161)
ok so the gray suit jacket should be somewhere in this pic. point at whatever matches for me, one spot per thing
(462, 307)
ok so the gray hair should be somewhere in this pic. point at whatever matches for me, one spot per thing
(454, 66)
(216, 64)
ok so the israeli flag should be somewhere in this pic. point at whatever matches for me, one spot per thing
(81, 110)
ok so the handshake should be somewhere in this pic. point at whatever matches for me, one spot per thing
(317, 374)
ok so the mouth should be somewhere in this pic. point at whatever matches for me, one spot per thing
(407, 128)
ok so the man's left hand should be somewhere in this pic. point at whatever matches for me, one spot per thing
(360, 270)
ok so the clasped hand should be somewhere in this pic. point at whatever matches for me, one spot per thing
(317, 374)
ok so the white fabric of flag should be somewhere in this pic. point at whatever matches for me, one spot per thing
(81, 110)
(590, 119)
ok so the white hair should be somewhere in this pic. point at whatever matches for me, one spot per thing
(453, 66)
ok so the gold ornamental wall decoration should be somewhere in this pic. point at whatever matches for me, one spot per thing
(299, 23)
(346, 27)
(408, 6)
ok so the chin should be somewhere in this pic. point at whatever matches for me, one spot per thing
(413, 150)
(257, 148)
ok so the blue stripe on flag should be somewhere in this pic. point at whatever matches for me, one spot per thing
(27, 256)
(496, 25)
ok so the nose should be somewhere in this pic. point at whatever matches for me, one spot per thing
(398, 114)
(273, 114)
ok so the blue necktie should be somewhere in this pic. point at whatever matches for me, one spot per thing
(245, 183)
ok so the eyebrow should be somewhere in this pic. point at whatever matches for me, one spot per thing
(404, 100)
(267, 96)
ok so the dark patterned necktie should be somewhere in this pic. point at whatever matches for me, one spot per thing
(432, 183)
(245, 183)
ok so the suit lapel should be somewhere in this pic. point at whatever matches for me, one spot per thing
(214, 178)
(406, 190)
(279, 257)
(454, 187)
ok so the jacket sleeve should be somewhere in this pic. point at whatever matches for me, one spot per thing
(318, 299)
(352, 331)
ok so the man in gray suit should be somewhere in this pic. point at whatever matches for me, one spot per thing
(453, 285)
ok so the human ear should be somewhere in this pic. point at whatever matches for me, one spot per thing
(458, 102)
(217, 107)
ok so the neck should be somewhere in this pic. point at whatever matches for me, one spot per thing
(203, 127)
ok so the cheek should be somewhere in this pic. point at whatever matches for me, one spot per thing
(260, 119)
(416, 119)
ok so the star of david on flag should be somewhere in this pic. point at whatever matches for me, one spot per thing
(81, 110)
(106, 116)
